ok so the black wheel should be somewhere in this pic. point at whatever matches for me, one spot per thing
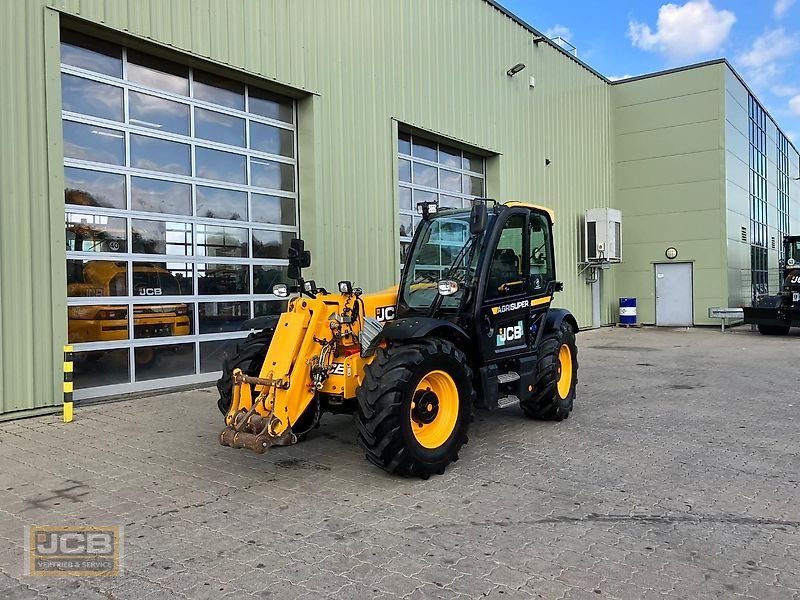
(556, 376)
(249, 356)
(415, 406)
(773, 329)
(146, 357)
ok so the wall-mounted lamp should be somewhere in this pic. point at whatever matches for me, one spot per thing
(538, 40)
(515, 69)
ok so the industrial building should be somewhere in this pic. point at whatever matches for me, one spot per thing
(157, 158)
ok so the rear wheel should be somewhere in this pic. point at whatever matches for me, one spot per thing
(556, 376)
(773, 329)
(145, 357)
(414, 407)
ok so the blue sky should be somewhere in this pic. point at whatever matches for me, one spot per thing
(760, 38)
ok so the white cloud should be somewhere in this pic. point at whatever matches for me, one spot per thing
(767, 60)
(794, 105)
(559, 31)
(784, 90)
(619, 77)
(781, 7)
(686, 31)
(770, 47)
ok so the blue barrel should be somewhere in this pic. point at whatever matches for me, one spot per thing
(627, 311)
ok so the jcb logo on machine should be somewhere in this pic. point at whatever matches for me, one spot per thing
(510, 333)
(794, 279)
(504, 308)
(149, 291)
(338, 369)
(384, 313)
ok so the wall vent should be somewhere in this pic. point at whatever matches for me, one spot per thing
(773, 243)
(744, 233)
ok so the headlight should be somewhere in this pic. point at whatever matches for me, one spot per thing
(310, 287)
(345, 287)
(281, 290)
(427, 208)
(447, 287)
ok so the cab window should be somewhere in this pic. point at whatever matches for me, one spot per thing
(794, 252)
(506, 271)
(541, 259)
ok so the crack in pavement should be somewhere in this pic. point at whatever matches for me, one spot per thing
(614, 518)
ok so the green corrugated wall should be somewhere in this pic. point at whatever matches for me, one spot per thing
(670, 177)
(33, 326)
(438, 65)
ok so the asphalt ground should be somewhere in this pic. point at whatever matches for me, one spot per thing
(676, 476)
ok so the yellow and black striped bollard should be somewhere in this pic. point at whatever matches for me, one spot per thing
(68, 370)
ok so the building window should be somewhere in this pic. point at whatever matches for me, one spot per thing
(180, 201)
(782, 200)
(433, 172)
(759, 267)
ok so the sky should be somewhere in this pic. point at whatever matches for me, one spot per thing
(622, 38)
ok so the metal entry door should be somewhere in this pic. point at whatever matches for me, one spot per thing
(674, 294)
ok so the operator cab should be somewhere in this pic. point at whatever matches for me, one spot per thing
(791, 251)
(462, 257)
(486, 278)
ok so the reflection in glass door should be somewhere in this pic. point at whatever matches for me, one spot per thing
(432, 172)
(180, 201)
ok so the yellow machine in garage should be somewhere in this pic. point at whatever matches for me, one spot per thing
(471, 324)
(100, 323)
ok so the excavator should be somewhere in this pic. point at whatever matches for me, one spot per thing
(470, 325)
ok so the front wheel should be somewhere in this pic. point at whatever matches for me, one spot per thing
(414, 407)
(556, 376)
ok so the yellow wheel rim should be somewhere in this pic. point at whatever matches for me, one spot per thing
(434, 409)
(564, 371)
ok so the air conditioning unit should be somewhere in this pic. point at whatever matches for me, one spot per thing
(603, 235)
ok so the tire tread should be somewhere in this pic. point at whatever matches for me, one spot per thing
(380, 407)
(545, 403)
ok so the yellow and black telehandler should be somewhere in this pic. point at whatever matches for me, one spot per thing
(470, 324)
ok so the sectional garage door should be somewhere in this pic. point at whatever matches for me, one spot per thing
(180, 201)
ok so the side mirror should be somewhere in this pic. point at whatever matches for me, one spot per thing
(293, 272)
(298, 255)
(299, 258)
(478, 217)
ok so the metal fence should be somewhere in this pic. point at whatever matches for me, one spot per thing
(753, 285)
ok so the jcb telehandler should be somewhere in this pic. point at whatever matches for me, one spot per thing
(774, 315)
(470, 323)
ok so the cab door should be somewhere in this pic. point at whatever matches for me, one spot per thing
(503, 314)
(517, 286)
(541, 273)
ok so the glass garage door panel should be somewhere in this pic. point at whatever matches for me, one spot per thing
(433, 172)
(180, 201)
